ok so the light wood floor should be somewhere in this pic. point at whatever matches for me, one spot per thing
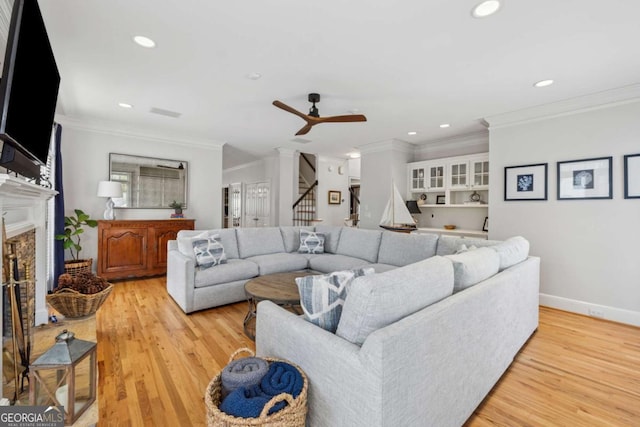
(155, 363)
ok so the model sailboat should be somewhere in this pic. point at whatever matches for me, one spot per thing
(396, 216)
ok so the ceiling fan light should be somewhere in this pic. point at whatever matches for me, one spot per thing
(485, 8)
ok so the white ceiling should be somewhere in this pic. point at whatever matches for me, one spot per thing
(407, 65)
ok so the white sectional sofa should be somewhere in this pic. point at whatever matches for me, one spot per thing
(258, 251)
(419, 343)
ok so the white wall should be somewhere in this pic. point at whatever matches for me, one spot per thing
(85, 157)
(589, 248)
(332, 180)
(381, 164)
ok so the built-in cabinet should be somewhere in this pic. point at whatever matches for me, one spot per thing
(452, 183)
(136, 248)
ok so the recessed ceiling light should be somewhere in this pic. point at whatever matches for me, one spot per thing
(486, 8)
(144, 41)
(543, 83)
(354, 155)
(412, 133)
(125, 105)
(445, 125)
(254, 76)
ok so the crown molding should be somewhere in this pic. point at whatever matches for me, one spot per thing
(114, 129)
(388, 145)
(605, 99)
(285, 152)
(244, 166)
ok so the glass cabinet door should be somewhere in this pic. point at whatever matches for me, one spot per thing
(458, 175)
(436, 177)
(417, 179)
(480, 173)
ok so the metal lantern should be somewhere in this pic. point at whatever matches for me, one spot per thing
(65, 376)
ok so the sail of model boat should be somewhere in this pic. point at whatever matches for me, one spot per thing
(396, 214)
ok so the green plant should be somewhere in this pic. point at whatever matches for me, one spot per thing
(176, 205)
(73, 229)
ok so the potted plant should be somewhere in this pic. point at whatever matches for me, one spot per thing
(73, 229)
(177, 207)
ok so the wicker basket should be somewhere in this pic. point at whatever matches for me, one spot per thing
(72, 303)
(292, 415)
(75, 266)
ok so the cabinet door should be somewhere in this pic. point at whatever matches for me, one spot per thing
(436, 177)
(417, 182)
(158, 240)
(480, 174)
(458, 175)
(123, 251)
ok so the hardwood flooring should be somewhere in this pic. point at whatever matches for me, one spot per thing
(155, 363)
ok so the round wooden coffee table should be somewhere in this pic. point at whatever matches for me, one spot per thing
(279, 288)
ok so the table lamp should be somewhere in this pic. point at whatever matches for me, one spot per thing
(111, 190)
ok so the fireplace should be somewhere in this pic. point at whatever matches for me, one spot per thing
(24, 210)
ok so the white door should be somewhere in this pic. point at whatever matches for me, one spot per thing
(257, 207)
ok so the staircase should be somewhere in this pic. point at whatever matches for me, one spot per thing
(304, 209)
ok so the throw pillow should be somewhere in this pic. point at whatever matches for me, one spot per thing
(209, 251)
(311, 242)
(463, 248)
(322, 296)
(473, 267)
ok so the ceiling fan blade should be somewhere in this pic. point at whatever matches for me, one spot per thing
(343, 119)
(285, 107)
(305, 129)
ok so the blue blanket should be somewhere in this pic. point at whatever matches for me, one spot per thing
(245, 372)
(248, 402)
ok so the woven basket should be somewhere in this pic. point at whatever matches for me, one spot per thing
(292, 415)
(72, 303)
(75, 266)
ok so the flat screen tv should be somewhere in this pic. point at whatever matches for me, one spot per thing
(28, 91)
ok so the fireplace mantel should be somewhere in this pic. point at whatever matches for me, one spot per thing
(24, 207)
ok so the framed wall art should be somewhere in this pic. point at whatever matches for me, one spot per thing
(585, 179)
(526, 182)
(334, 197)
(632, 176)
(440, 200)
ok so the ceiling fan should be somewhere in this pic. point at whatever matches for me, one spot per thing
(313, 118)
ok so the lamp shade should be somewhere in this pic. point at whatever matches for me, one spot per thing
(109, 189)
(412, 205)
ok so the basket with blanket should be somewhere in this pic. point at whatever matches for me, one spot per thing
(256, 391)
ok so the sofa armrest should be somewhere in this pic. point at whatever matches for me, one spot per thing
(180, 277)
(330, 363)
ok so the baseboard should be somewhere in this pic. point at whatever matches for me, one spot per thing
(594, 310)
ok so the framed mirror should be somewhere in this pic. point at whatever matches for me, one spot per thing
(148, 182)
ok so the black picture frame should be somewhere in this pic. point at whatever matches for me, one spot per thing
(334, 197)
(440, 200)
(485, 226)
(632, 176)
(526, 182)
(585, 179)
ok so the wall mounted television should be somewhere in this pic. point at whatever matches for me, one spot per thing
(28, 92)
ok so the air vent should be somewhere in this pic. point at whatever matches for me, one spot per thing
(301, 140)
(167, 113)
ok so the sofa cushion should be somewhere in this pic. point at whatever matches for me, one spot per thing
(473, 266)
(401, 249)
(360, 243)
(326, 263)
(233, 270)
(322, 296)
(376, 301)
(512, 251)
(381, 268)
(259, 241)
(227, 238)
(311, 242)
(291, 237)
(449, 245)
(209, 251)
(331, 237)
(279, 263)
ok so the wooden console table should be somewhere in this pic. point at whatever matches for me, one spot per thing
(136, 248)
